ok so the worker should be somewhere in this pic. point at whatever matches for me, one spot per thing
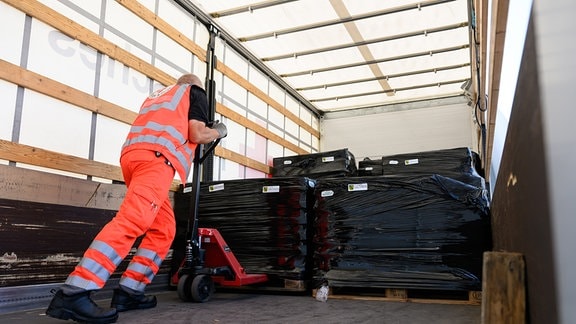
(161, 142)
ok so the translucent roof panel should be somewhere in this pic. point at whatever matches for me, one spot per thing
(349, 54)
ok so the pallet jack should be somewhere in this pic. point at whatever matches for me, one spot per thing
(208, 260)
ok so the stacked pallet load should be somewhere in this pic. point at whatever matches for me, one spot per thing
(414, 230)
(264, 222)
(459, 163)
(337, 163)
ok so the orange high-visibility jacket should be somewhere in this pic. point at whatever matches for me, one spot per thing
(162, 126)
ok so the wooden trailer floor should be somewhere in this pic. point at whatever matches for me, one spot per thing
(243, 307)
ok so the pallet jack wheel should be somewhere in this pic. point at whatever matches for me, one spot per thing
(202, 288)
(184, 291)
(197, 288)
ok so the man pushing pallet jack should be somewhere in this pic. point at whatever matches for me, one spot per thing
(208, 260)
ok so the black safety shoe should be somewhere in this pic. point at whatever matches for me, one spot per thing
(80, 308)
(124, 301)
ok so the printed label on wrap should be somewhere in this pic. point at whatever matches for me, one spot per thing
(270, 189)
(328, 159)
(411, 161)
(357, 187)
(216, 187)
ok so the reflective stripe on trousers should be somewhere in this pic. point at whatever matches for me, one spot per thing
(91, 274)
(141, 269)
(146, 210)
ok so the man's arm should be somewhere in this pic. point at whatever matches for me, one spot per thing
(199, 133)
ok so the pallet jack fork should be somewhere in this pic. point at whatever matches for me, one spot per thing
(208, 259)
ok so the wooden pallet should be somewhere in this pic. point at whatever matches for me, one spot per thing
(275, 285)
(406, 295)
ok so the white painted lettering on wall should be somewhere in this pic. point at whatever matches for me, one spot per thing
(67, 47)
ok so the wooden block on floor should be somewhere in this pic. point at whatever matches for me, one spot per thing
(503, 288)
(475, 297)
(294, 284)
(396, 293)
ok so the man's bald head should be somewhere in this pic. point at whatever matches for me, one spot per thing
(190, 79)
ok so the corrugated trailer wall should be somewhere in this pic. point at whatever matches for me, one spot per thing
(72, 77)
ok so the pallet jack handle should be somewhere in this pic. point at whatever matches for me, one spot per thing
(192, 258)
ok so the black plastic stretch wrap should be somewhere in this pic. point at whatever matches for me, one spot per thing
(424, 224)
(406, 232)
(369, 167)
(316, 165)
(457, 163)
(264, 221)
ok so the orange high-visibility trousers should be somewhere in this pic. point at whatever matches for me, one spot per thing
(146, 210)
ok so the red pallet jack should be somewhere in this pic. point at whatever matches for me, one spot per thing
(208, 260)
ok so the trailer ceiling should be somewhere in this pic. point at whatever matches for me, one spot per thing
(350, 54)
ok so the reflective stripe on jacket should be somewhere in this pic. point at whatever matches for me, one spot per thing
(162, 126)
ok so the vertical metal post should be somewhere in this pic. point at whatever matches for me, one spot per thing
(211, 61)
(203, 169)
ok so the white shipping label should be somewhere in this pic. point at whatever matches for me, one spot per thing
(287, 162)
(216, 187)
(327, 193)
(357, 187)
(270, 189)
(393, 162)
(187, 190)
(411, 161)
(368, 168)
(328, 159)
